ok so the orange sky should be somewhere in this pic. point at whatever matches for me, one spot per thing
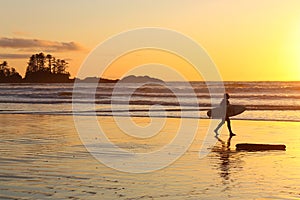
(155, 63)
(247, 40)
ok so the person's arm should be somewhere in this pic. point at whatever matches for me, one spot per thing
(223, 102)
(228, 103)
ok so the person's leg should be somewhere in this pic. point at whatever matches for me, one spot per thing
(229, 127)
(219, 126)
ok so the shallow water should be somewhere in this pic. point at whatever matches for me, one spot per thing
(41, 157)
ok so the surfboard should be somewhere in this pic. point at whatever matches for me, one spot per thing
(219, 112)
(259, 147)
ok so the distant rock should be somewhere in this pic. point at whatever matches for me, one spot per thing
(104, 80)
(98, 80)
(140, 79)
(90, 80)
(127, 79)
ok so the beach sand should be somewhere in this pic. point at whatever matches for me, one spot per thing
(41, 157)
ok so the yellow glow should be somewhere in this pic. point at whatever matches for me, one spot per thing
(248, 40)
(297, 53)
(290, 53)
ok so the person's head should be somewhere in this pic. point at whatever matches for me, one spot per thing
(226, 96)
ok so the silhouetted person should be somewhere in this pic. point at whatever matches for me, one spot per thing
(225, 104)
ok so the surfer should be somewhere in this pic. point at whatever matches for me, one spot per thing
(225, 103)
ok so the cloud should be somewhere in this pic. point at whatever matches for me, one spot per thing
(14, 56)
(38, 45)
(22, 33)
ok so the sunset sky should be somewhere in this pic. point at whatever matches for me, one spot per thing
(248, 40)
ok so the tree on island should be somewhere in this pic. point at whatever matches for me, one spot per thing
(46, 69)
(9, 74)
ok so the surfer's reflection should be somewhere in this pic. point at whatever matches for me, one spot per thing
(224, 153)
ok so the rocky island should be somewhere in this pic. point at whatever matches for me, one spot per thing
(43, 68)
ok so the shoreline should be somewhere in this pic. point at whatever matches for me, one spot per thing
(2, 112)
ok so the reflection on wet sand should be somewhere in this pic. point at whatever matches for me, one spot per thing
(42, 157)
(227, 159)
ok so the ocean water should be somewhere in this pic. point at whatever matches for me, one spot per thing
(42, 156)
(276, 101)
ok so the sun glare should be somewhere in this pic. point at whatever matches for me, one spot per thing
(289, 60)
(296, 55)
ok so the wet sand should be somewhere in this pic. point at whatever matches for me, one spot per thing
(42, 157)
